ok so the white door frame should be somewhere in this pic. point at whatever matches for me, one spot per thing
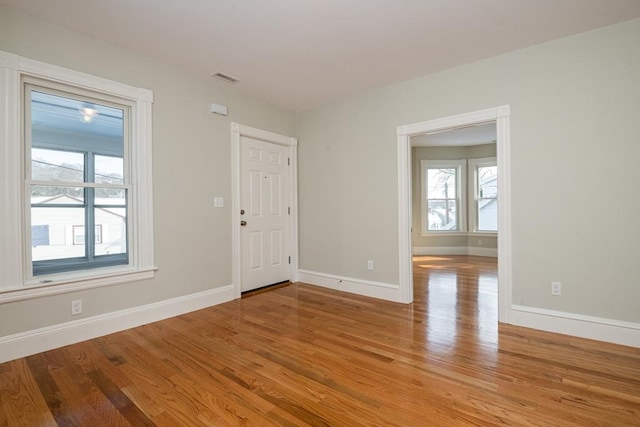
(237, 131)
(501, 116)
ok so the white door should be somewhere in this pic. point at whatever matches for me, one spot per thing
(264, 213)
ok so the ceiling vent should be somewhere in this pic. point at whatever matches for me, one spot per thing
(226, 78)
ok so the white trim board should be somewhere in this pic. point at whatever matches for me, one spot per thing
(578, 325)
(385, 291)
(500, 115)
(455, 250)
(50, 337)
(237, 131)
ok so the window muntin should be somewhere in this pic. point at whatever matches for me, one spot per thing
(77, 146)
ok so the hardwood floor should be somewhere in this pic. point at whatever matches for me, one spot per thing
(303, 355)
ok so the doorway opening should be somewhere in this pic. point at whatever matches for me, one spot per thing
(407, 133)
(455, 230)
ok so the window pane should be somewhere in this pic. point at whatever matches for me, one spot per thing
(441, 215)
(488, 215)
(441, 183)
(109, 170)
(69, 122)
(487, 181)
(113, 229)
(74, 139)
(487, 198)
(110, 214)
(43, 194)
(56, 165)
(111, 197)
(53, 231)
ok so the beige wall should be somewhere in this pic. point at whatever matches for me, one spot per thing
(444, 153)
(575, 104)
(191, 165)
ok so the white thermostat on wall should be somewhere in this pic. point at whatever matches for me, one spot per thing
(218, 109)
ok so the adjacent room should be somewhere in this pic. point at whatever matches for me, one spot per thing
(323, 213)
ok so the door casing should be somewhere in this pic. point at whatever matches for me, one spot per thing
(238, 130)
(404, 133)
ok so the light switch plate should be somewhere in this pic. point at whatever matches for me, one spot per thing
(218, 202)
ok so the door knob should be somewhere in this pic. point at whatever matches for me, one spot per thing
(243, 223)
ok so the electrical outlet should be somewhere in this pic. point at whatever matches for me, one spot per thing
(369, 265)
(76, 307)
(556, 288)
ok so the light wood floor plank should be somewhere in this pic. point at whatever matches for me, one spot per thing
(301, 355)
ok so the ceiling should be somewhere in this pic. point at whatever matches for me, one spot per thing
(461, 137)
(298, 54)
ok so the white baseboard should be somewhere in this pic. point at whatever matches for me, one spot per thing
(596, 328)
(385, 291)
(488, 252)
(50, 337)
(455, 250)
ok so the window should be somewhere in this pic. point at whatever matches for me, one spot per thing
(75, 174)
(445, 189)
(484, 215)
(79, 236)
(442, 201)
(77, 147)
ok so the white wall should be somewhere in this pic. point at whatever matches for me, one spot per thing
(191, 165)
(575, 143)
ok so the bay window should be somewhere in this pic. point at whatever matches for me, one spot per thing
(459, 196)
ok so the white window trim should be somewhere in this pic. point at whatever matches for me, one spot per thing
(461, 220)
(13, 274)
(472, 190)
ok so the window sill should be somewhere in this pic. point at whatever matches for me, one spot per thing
(484, 233)
(37, 289)
(443, 233)
(459, 233)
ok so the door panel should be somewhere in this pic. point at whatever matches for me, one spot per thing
(265, 198)
(276, 244)
(255, 250)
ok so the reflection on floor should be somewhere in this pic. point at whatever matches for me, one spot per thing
(303, 355)
(459, 295)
